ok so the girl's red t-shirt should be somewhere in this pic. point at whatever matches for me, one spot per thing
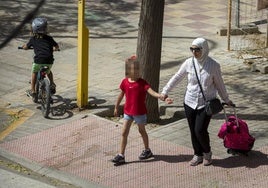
(135, 93)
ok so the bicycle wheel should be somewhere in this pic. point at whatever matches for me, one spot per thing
(45, 97)
(37, 84)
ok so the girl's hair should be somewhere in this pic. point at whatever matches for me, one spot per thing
(131, 63)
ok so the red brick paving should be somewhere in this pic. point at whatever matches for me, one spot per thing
(84, 147)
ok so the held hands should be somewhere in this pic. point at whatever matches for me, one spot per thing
(169, 100)
(166, 99)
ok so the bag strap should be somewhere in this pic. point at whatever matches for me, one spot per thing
(198, 80)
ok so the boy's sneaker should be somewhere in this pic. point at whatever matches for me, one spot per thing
(196, 160)
(146, 154)
(34, 98)
(53, 88)
(29, 93)
(119, 159)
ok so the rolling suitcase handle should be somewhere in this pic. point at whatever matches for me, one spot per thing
(235, 114)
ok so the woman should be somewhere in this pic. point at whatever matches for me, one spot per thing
(209, 74)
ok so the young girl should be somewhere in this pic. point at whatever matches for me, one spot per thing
(43, 46)
(134, 89)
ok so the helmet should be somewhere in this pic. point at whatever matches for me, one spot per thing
(39, 25)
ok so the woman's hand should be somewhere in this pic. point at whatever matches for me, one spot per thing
(163, 97)
(169, 100)
(230, 103)
(166, 99)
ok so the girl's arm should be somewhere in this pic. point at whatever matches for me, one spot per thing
(159, 96)
(118, 101)
(153, 93)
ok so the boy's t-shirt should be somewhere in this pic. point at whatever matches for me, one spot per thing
(43, 49)
(135, 93)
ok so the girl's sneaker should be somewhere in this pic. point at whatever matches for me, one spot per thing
(146, 154)
(196, 160)
(119, 159)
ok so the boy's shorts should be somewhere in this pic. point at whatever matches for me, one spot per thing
(36, 67)
(139, 119)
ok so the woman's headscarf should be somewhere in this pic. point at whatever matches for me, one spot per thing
(203, 44)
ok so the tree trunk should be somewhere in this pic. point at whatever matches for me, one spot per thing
(149, 49)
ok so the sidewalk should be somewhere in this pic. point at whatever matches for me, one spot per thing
(75, 147)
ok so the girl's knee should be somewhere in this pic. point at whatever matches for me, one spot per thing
(142, 129)
(125, 134)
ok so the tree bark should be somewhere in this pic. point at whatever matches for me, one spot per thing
(149, 49)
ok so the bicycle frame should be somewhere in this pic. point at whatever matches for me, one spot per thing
(43, 94)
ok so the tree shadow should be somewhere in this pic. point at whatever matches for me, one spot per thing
(253, 160)
(176, 113)
(62, 16)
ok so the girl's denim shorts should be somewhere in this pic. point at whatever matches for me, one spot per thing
(139, 119)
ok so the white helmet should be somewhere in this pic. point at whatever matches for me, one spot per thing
(39, 25)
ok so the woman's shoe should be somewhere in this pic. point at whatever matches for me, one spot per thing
(207, 159)
(196, 160)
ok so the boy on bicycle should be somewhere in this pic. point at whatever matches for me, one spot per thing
(43, 46)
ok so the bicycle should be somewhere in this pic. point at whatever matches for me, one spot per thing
(42, 87)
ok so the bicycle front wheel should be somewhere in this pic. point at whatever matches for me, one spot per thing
(45, 97)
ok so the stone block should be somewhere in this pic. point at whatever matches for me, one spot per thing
(243, 30)
(262, 67)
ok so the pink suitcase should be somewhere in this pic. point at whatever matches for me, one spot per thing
(235, 135)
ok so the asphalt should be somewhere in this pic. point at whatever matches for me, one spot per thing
(74, 146)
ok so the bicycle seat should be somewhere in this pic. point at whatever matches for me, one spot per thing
(44, 68)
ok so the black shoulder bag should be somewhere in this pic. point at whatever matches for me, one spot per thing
(212, 106)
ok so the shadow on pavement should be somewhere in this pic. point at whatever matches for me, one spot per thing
(253, 160)
(61, 108)
(165, 158)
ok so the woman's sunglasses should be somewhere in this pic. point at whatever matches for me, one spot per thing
(195, 49)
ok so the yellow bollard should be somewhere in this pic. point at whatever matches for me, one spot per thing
(83, 43)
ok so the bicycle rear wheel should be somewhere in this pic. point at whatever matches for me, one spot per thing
(37, 85)
(45, 97)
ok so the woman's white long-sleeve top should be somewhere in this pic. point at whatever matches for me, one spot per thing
(210, 78)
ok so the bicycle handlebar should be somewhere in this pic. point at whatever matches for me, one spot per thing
(21, 48)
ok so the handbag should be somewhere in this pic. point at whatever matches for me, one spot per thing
(212, 106)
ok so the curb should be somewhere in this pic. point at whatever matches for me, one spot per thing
(48, 172)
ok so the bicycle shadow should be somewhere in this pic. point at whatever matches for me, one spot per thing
(253, 160)
(61, 108)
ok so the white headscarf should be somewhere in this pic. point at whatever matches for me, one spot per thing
(203, 44)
